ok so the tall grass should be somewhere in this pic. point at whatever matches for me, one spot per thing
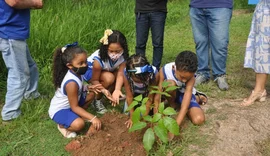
(66, 21)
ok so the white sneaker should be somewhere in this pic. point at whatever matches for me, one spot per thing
(100, 108)
(66, 133)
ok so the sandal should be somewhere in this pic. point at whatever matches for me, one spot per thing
(203, 99)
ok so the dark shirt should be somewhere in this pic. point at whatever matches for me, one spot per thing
(211, 3)
(14, 23)
(145, 6)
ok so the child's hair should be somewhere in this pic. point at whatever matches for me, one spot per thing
(62, 56)
(115, 37)
(146, 75)
(186, 61)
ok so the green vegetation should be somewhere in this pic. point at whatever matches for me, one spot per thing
(66, 21)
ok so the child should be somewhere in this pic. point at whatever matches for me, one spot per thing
(181, 73)
(106, 66)
(69, 64)
(139, 76)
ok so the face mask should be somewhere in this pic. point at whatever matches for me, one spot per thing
(80, 70)
(115, 57)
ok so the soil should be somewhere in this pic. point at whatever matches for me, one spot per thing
(113, 139)
(234, 129)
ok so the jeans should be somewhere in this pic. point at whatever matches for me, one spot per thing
(155, 21)
(210, 28)
(23, 76)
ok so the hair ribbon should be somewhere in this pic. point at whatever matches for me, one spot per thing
(104, 39)
(68, 45)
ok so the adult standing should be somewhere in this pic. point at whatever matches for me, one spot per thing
(258, 51)
(210, 21)
(151, 14)
(22, 81)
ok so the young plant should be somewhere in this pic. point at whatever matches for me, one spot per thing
(161, 123)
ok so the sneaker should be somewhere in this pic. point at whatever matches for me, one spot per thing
(200, 78)
(222, 82)
(100, 108)
(66, 133)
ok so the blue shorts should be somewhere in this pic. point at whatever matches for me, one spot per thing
(179, 99)
(65, 117)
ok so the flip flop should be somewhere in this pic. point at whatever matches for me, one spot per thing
(201, 101)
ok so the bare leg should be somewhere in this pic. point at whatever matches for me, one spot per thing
(196, 115)
(260, 82)
(106, 79)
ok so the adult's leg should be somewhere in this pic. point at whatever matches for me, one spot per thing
(32, 85)
(142, 31)
(157, 22)
(198, 20)
(218, 24)
(14, 53)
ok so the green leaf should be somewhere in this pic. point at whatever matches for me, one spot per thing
(142, 109)
(169, 111)
(162, 133)
(161, 107)
(144, 100)
(155, 87)
(136, 115)
(171, 88)
(156, 117)
(133, 104)
(137, 126)
(171, 125)
(138, 98)
(165, 84)
(166, 94)
(148, 118)
(161, 124)
(148, 139)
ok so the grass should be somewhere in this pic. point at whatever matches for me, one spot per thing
(62, 22)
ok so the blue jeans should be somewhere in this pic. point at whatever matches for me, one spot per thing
(155, 21)
(23, 76)
(210, 28)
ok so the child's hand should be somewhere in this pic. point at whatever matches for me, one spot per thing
(129, 123)
(116, 94)
(96, 123)
(108, 95)
(95, 88)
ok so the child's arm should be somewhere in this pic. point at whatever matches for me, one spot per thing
(72, 93)
(157, 98)
(129, 99)
(96, 73)
(186, 101)
(151, 97)
(25, 4)
(119, 83)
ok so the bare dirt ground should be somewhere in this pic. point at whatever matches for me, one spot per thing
(236, 130)
(114, 139)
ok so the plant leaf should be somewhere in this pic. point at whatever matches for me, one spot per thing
(137, 126)
(136, 115)
(148, 118)
(161, 107)
(166, 94)
(138, 98)
(171, 125)
(148, 139)
(155, 87)
(165, 84)
(161, 124)
(162, 133)
(171, 88)
(169, 111)
(133, 104)
(142, 109)
(144, 100)
(156, 117)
